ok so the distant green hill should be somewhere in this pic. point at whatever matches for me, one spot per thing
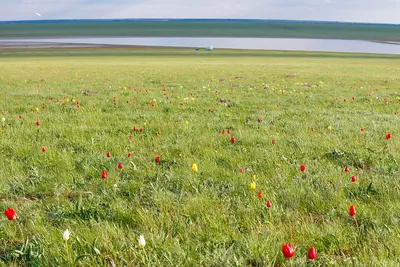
(204, 28)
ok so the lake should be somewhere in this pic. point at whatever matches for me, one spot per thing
(323, 45)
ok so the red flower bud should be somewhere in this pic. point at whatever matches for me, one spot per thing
(352, 211)
(312, 254)
(302, 168)
(10, 214)
(288, 250)
(104, 174)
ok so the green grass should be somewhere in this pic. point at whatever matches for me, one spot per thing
(208, 218)
(204, 28)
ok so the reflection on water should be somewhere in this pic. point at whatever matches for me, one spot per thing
(327, 45)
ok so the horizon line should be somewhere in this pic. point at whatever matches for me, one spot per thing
(192, 19)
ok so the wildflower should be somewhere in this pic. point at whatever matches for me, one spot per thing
(312, 254)
(288, 250)
(352, 211)
(142, 242)
(253, 185)
(302, 168)
(194, 167)
(66, 235)
(10, 214)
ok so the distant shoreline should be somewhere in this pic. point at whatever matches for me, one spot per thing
(383, 40)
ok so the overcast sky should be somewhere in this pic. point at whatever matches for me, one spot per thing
(382, 11)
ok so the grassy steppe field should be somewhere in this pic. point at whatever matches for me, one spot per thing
(325, 111)
(196, 28)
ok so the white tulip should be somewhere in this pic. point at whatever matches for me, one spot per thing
(3, 119)
(142, 242)
(66, 235)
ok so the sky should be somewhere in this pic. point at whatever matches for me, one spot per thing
(375, 11)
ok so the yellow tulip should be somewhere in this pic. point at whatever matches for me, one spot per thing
(329, 128)
(253, 186)
(194, 167)
(186, 122)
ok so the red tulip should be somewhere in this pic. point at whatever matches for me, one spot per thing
(120, 166)
(158, 159)
(312, 254)
(104, 174)
(134, 128)
(259, 195)
(141, 130)
(10, 214)
(288, 250)
(223, 131)
(312, 129)
(43, 149)
(303, 168)
(241, 170)
(346, 169)
(129, 155)
(268, 204)
(353, 178)
(388, 136)
(158, 133)
(108, 154)
(362, 129)
(228, 131)
(233, 140)
(38, 123)
(20, 116)
(352, 211)
(273, 142)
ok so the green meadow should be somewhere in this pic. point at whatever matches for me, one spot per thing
(209, 28)
(325, 111)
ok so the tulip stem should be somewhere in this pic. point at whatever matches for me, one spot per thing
(355, 219)
(147, 258)
(20, 230)
(66, 248)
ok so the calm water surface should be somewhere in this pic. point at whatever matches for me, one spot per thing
(324, 45)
